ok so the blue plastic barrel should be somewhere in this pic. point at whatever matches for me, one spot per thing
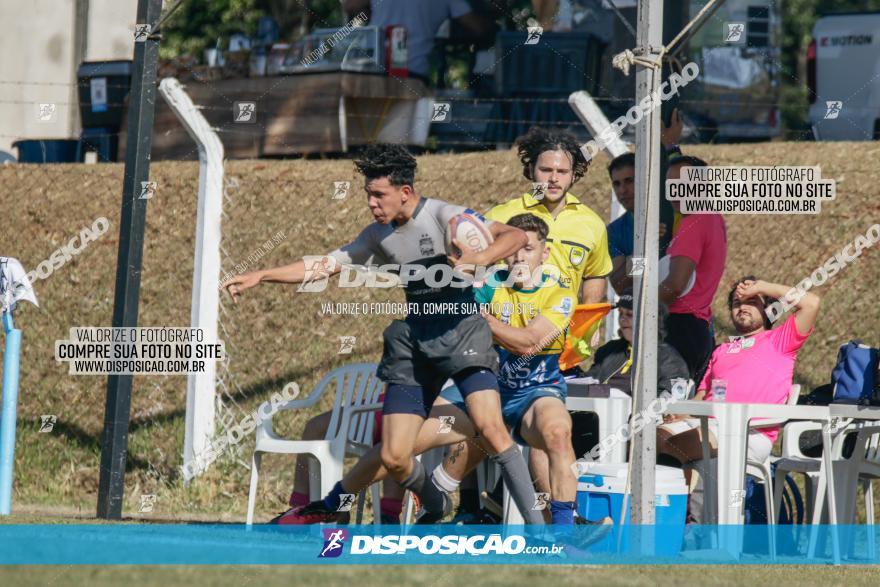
(46, 150)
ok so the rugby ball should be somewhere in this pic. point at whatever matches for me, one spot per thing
(469, 229)
(664, 273)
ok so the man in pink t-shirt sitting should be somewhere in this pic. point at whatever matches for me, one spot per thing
(757, 367)
(698, 248)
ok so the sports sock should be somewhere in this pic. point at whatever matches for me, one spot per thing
(431, 497)
(332, 499)
(562, 512)
(298, 499)
(391, 507)
(518, 481)
(444, 481)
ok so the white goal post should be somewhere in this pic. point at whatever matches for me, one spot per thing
(595, 120)
(201, 387)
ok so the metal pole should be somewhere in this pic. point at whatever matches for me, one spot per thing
(649, 40)
(10, 402)
(114, 440)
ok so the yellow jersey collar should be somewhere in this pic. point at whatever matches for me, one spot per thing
(529, 200)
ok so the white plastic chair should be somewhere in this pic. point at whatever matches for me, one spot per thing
(863, 466)
(350, 432)
(761, 470)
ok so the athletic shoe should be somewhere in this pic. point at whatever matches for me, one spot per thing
(601, 529)
(465, 518)
(426, 517)
(313, 513)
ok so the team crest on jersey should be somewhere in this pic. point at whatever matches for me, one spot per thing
(506, 311)
(564, 308)
(426, 245)
(576, 255)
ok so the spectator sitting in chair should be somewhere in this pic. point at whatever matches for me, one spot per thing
(613, 361)
(757, 367)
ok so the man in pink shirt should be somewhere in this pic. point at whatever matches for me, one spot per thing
(757, 367)
(698, 247)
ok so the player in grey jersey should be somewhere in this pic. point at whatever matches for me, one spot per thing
(421, 352)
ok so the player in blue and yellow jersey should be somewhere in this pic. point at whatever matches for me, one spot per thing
(529, 319)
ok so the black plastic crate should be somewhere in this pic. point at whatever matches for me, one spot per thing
(557, 65)
(110, 80)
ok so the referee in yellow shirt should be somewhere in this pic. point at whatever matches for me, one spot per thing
(553, 162)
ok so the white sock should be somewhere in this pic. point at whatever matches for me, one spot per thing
(444, 481)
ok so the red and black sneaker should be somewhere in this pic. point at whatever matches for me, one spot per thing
(313, 513)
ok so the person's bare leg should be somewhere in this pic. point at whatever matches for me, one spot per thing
(371, 468)
(539, 465)
(484, 410)
(685, 447)
(546, 425)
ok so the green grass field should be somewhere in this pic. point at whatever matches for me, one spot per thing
(439, 576)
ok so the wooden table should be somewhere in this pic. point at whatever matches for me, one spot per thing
(299, 114)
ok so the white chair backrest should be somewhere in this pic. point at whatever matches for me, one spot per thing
(356, 385)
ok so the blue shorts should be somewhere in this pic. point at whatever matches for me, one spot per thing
(514, 404)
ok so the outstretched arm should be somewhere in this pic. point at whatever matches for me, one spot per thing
(292, 273)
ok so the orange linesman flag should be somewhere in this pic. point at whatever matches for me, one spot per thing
(584, 322)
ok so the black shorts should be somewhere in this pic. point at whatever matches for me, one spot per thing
(692, 339)
(425, 353)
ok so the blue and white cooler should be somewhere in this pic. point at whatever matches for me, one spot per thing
(600, 494)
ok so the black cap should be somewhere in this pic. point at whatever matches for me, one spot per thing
(626, 299)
